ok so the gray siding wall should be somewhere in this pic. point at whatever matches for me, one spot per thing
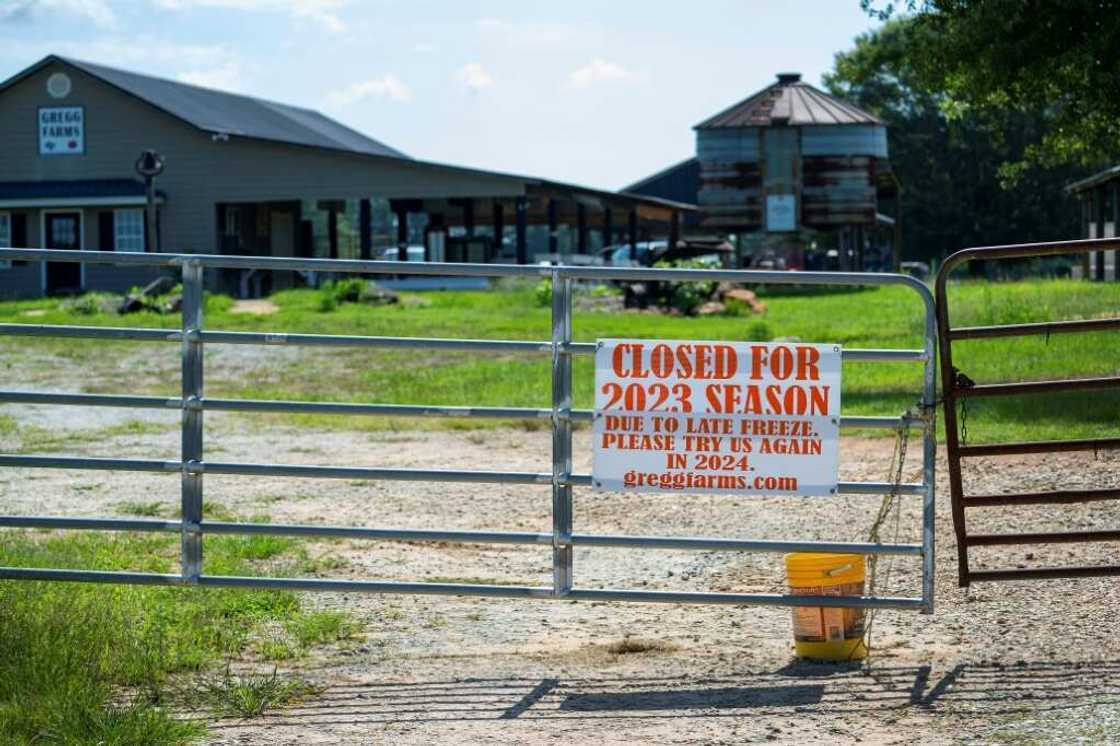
(22, 280)
(200, 172)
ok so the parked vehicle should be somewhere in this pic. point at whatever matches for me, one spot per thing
(392, 254)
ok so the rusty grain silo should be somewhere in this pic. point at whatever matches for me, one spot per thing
(800, 167)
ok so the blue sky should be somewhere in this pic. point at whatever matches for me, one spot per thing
(596, 93)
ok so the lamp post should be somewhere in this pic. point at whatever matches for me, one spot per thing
(150, 165)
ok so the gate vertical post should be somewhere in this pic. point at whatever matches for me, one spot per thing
(561, 434)
(191, 455)
(929, 454)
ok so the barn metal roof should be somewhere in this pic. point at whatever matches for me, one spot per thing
(1101, 177)
(223, 113)
(789, 102)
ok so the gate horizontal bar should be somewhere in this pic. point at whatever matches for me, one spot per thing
(338, 340)
(1038, 387)
(89, 576)
(91, 400)
(371, 473)
(377, 586)
(484, 537)
(745, 599)
(351, 408)
(374, 473)
(469, 537)
(91, 332)
(96, 464)
(398, 410)
(879, 488)
(742, 545)
(1046, 573)
(376, 267)
(1039, 446)
(857, 355)
(1023, 330)
(463, 589)
(389, 534)
(1057, 497)
(1061, 537)
(88, 524)
(335, 340)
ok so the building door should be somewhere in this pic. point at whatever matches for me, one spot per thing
(63, 231)
(282, 242)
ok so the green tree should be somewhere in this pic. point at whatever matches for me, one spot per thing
(1058, 57)
(954, 192)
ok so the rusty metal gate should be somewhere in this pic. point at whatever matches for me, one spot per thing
(192, 464)
(958, 388)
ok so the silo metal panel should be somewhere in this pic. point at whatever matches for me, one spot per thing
(851, 139)
(838, 190)
(729, 175)
(780, 178)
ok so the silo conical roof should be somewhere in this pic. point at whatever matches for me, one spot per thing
(789, 102)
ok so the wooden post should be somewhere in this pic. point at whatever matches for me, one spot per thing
(365, 228)
(674, 229)
(435, 225)
(499, 229)
(1086, 229)
(633, 233)
(1116, 229)
(332, 230)
(468, 217)
(1098, 256)
(553, 238)
(581, 228)
(608, 228)
(861, 239)
(402, 234)
(521, 209)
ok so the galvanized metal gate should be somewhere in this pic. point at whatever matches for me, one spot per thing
(959, 388)
(193, 465)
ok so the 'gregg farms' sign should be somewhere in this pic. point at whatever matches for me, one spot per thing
(737, 417)
(62, 130)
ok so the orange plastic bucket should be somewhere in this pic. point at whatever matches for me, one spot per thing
(830, 634)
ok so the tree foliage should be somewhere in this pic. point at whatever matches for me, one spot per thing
(955, 193)
(1054, 56)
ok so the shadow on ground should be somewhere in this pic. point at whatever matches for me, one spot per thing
(966, 689)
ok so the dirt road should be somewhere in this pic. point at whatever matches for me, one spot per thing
(1001, 663)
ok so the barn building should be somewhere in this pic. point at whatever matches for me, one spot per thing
(1099, 198)
(798, 176)
(249, 176)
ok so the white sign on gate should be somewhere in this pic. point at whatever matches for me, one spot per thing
(62, 130)
(716, 417)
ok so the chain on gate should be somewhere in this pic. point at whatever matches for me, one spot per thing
(891, 504)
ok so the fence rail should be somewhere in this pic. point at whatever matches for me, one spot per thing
(192, 466)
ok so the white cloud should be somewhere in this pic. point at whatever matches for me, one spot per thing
(226, 77)
(321, 12)
(533, 35)
(598, 71)
(386, 86)
(474, 76)
(96, 12)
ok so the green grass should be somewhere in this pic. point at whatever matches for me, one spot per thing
(111, 664)
(250, 695)
(869, 317)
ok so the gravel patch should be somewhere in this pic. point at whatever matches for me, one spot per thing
(1009, 662)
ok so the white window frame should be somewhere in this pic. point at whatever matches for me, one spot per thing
(117, 223)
